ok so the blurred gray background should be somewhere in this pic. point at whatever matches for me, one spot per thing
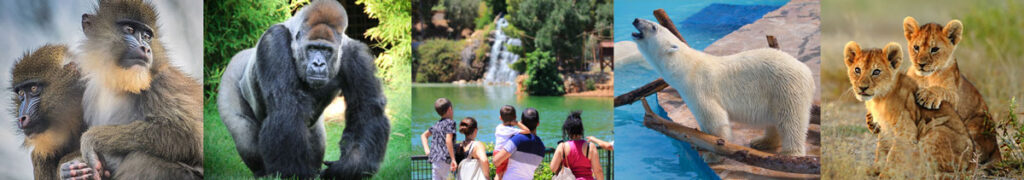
(27, 25)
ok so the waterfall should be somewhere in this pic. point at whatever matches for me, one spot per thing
(498, 70)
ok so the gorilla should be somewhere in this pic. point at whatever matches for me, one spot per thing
(271, 98)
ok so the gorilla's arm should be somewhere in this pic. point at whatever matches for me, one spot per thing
(367, 128)
(283, 135)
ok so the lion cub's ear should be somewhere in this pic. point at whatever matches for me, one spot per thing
(954, 31)
(850, 52)
(894, 54)
(909, 26)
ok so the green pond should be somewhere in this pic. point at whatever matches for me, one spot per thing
(482, 103)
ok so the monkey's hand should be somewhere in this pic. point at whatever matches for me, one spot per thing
(76, 170)
(92, 160)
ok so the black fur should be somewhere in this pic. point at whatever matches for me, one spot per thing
(288, 144)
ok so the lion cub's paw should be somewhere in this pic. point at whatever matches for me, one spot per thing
(928, 98)
(872, 126)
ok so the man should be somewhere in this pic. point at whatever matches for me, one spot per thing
(525, 152)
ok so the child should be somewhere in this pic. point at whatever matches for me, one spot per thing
(442, 134)
(508, 127)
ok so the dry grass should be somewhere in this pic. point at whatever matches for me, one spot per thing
(989, 58)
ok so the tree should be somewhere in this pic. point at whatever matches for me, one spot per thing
(561, 27)
(461, 13)
(543, 77)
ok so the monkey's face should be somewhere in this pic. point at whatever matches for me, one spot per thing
(27, 97)
(317, 54)
(137, 50)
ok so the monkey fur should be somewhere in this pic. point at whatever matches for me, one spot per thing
(144, 115)
(48, 101)
(271, 97)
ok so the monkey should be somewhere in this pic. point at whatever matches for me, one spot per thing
(48, 100)
(271, 95)
(143, 115)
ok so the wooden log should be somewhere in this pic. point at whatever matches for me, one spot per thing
(717, 145)
(639, 93)
(772, 42)
(667, 23)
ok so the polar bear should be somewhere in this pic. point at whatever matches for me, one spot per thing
(764, 87)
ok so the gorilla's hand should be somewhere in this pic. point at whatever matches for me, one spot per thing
(365, 138)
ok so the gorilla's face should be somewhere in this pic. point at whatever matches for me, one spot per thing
(317, 51)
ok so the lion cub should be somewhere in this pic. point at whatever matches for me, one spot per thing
(936, 72)
(905, 129)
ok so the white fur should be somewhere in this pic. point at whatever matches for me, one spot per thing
(762, 87)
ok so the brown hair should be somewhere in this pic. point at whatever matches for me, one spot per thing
(508, 113)
(442, 105)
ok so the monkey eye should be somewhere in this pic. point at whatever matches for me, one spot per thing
(21, 93)
(128, 29)
(146, 36)
(34, 88)
(935, 50)
(876, 72)
(856, 70)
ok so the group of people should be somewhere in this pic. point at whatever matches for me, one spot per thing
(518, 151)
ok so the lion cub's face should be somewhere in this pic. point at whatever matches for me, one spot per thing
(872, 71)
(931, 45)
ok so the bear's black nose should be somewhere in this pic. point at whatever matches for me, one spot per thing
(636, 21)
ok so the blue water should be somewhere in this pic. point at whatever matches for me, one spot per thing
(648, 154)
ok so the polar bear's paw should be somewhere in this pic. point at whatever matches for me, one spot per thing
(765, 143)
(711, 158)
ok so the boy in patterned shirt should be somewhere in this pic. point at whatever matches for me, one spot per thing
(442, 135)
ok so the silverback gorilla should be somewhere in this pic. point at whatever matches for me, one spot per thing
(271, 97)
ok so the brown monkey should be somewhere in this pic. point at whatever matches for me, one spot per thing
(48, 97)
(144, 115)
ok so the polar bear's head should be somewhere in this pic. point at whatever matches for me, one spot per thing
(653, 40)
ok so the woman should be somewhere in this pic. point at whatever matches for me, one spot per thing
(580, 157)
(474, 165)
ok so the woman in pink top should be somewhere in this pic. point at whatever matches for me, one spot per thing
(575, 153)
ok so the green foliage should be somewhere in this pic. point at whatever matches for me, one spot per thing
(438, 60)
(543, 77)
(486, 16)
(560, 27)
(231, 27)
(394, 34)
(461, 14)
(590, 84)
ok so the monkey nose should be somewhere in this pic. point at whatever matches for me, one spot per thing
(145, 49)
(23, 121)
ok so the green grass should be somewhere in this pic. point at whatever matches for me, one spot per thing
(222, 160)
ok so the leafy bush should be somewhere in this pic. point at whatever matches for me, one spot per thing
(543, 77)
(486, 16)
(235, 28)
(589, 83)
(394, 34)
(438, 60)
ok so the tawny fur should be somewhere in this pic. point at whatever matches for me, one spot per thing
(940, 81)
(906, 129)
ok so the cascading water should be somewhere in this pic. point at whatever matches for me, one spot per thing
(498, 70)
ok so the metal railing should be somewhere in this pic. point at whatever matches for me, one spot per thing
(421, 167)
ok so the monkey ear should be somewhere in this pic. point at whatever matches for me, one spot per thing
(954, 31)
(850, 52)
(909, 26)
(87, 22)
(894, 53)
